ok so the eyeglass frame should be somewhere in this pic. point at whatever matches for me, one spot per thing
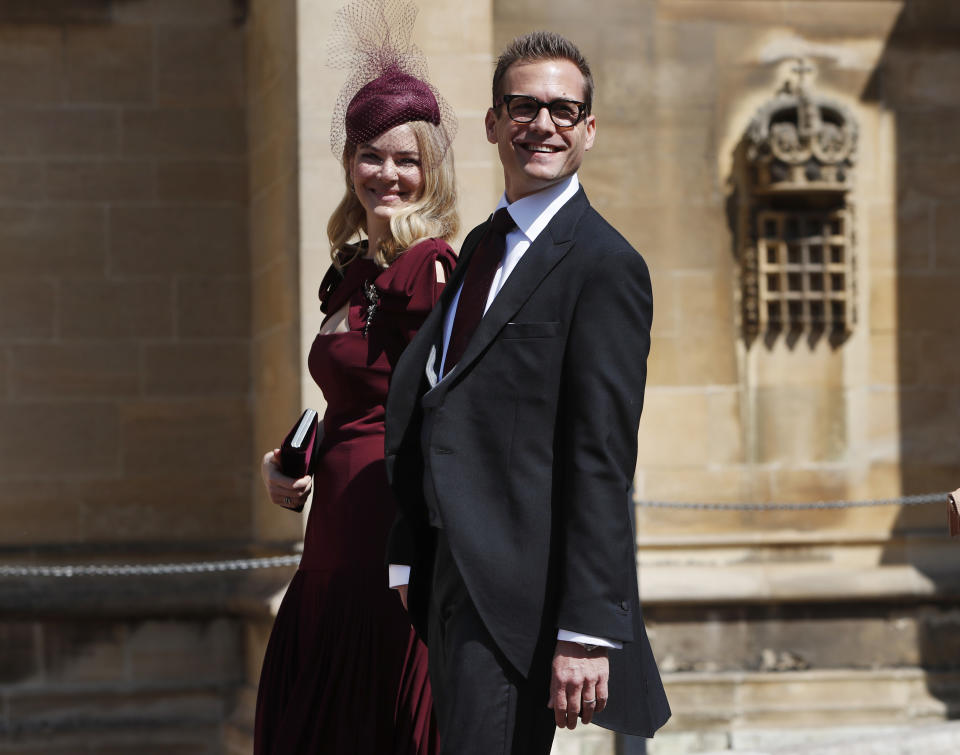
(506, 99)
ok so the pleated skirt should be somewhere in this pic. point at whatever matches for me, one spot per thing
(344, 672)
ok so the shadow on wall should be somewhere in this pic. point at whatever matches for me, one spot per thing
(916, 81)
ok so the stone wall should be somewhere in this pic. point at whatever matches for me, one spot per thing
(125, 368)
(279, 375)
(124, 276)
(922, 270)
(274, 222)
(165, 181)
(103, 685)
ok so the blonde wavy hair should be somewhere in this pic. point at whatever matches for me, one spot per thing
(431, 215)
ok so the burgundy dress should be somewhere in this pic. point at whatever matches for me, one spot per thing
(343, 671)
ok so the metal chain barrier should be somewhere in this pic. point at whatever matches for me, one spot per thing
(135, 570)
(245, 564)
(909, 500)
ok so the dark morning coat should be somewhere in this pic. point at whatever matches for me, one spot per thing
(533, 451)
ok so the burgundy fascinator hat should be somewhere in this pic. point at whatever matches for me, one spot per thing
(387, 84)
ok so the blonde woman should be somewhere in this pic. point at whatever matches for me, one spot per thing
(344, 672)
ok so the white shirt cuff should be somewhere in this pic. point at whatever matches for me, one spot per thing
(399, 575)
(568, 636)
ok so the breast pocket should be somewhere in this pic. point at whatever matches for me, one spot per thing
(515, 330)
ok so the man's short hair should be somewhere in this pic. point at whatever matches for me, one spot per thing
(542, 45)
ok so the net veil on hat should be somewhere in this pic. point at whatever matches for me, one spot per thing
(387, 83)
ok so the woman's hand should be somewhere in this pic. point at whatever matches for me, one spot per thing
(284, 491)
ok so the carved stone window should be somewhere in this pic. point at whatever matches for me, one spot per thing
(805, 272)
(796, 218)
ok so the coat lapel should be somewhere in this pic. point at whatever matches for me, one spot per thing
(543, 255)
(409, 375)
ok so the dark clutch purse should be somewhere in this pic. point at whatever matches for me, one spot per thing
(953, 512)
(299, 450)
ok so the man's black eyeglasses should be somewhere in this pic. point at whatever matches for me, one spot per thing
(524, 109)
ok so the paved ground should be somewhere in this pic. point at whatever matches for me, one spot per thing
(935, 739)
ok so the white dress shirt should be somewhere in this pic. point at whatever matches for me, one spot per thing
(531, 215)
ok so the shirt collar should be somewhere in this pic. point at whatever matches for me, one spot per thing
(533, 212)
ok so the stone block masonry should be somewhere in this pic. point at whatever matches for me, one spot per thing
(67, 687)
(125, 368)
(124, 264)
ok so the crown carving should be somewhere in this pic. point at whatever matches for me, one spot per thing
(800, 141)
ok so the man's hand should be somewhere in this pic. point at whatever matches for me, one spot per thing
(402, 590)
(578, 686)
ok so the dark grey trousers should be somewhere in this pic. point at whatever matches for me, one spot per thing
(484, 706)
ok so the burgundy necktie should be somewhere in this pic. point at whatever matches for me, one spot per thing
(476, 285)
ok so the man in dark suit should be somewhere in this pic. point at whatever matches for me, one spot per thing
(511, 443)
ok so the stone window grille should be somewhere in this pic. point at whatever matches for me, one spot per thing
(805, 273)
(798, 255)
